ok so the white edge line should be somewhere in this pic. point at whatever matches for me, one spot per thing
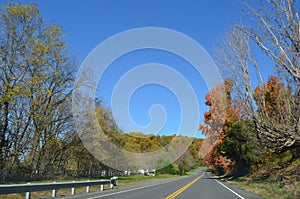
(230, 189)
(137, 188)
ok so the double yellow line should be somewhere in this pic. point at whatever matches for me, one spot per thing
(182, 189)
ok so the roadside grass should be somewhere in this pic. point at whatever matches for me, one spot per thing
(131, 180)
(272, 187)
(123, 181)
(267, 189)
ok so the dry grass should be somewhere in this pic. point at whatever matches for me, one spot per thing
(131, 180)
(272, 186)
(272, 190)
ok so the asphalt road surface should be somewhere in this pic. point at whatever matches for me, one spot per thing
(198, 186)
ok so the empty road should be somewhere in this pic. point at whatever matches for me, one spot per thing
(200, 185)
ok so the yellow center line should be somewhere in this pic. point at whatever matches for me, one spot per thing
(182, 189)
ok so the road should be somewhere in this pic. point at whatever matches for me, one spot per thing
(201, 185)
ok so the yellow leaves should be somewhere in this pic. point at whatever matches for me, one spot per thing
(55, 72)
(49, 92)
(43, 48)
(61, 44)
(55, 29)
(12, 91)
(21, 10)
(33, 80)
(7, 97)
(16, 11)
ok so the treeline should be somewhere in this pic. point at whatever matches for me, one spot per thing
(141, 143)
(258, 122)
(37, 132)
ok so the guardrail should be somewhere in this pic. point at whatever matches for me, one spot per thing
(14, 175)
(30, 187)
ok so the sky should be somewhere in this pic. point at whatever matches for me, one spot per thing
(86, 24)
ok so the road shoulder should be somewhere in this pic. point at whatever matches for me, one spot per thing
(238, 190)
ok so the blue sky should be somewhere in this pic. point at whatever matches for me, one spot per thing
(87, 23)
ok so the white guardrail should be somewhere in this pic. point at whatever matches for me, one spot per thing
(31, 187)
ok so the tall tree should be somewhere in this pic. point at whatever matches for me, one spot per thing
(276, 33)
(218, 120)
(36, 81)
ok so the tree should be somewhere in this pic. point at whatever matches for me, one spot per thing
(218, 120)
(275, 30)
(241, 146)
(36, 81)
(275, 96)
(281, 108)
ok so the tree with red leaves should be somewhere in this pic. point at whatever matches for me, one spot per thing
(218, 120)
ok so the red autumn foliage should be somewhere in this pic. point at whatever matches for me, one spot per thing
(223, 111)
(271, 98)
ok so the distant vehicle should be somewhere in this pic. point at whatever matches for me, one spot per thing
(208, 170)
(141, 171)
(150, 173)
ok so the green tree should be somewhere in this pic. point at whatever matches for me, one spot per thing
(241, 146)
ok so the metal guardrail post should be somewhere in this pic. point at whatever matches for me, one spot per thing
(73, 190)
(27, 194)
(116, 180)
(53, 191)
(113, 182)
(87, 188)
